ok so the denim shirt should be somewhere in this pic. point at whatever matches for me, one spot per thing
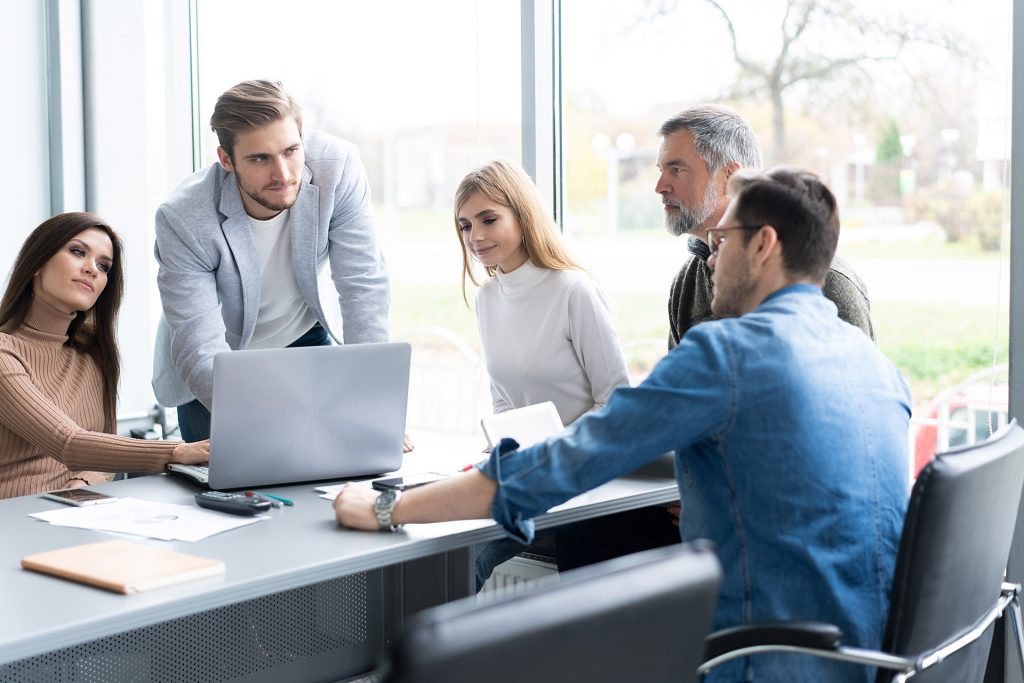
(789, 428)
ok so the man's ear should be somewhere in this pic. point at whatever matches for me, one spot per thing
(768, 244)
(727, 172)
(225, 160)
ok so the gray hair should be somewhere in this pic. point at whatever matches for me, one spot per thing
(719, 134)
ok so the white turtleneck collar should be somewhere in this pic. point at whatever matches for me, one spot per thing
(521, 280)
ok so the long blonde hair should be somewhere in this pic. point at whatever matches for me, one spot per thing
(507, 184)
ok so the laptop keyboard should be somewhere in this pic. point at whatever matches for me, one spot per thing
(200, 473)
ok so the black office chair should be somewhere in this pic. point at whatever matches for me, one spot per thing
(948, 584)
(642, 617)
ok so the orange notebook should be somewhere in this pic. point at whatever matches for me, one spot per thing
(122, 566)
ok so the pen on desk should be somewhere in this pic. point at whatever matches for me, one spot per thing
(278, 498)
(467, 468)
(263, 496)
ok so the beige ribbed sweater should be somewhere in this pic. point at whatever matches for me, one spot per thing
(51, 413)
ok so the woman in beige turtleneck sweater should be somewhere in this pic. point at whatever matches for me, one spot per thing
(59, 365)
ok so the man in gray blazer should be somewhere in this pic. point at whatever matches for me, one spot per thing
(241, 244)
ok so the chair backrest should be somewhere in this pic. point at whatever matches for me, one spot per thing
(953, 552)
(643, 617)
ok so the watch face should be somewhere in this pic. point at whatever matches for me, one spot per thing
(385, 499)
(382, 508)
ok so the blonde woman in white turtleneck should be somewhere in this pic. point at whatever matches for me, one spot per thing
(544, 325)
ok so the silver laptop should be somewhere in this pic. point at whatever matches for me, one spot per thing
(305, 414)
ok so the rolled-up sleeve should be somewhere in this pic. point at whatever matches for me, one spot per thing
(636, 426)
(517, 526)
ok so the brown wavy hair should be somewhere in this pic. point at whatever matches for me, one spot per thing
(250, 105)
(508, 184)
(93, 331)
(802, 210)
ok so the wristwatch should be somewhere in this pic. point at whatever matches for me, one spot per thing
(384, 506)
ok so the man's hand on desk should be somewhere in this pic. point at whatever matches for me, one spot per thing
(354, 508)
(463, 496)
(195, 453)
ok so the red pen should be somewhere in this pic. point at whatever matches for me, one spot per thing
(467, 468)
(253, 494)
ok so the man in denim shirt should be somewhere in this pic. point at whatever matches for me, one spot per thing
(789, 428)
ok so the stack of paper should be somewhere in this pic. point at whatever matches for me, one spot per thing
(165, 521)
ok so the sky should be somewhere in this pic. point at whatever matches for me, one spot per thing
(398, 63)
(392, 63)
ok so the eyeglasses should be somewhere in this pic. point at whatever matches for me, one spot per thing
(717, 235)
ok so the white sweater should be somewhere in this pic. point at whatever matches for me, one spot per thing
(547, 336)
(284, 315)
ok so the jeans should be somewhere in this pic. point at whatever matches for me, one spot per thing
(194, 418)
(489, 555)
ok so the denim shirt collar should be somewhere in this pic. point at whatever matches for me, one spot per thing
(799, 288)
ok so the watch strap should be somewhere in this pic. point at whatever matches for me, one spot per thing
(384, 506)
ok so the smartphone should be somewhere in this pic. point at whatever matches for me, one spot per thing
(79, 497)
(408, 482)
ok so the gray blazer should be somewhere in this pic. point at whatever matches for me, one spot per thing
(209, 276)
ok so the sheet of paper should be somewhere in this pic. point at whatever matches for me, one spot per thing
(164, 521)
(330, 491)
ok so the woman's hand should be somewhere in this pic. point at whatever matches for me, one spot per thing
(195, 453)
(407, 444)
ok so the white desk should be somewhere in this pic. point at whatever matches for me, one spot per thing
(301, 599)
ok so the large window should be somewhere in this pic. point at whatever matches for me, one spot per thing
(426, 91)
(902, 107)
(27, 175)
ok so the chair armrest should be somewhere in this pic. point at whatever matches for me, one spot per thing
(808, 634)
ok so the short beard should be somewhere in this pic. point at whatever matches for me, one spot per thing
(726, 301)
(266, 203)
(270, 205)
(687, 220)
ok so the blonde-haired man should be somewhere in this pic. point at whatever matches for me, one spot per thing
(240, 245)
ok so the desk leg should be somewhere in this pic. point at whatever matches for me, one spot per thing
(426, 582)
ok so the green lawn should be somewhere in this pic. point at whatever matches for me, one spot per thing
(433, 304)
(923, 249)
(939, 345)
(936, 345)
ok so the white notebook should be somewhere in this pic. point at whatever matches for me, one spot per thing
(528, 425)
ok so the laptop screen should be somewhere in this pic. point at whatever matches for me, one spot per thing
(308, 413)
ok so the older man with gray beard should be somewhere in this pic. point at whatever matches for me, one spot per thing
(701, 148)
